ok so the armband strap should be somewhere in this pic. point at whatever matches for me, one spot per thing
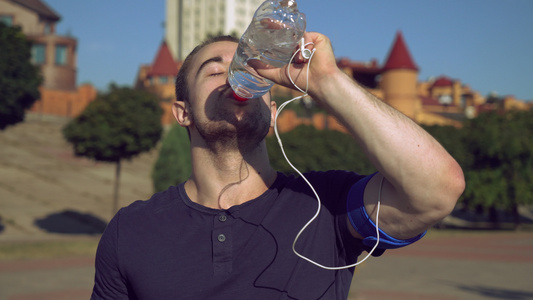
(362, 223)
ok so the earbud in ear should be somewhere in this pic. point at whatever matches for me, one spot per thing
(306, 53)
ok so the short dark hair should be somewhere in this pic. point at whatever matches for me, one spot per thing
(182, 87)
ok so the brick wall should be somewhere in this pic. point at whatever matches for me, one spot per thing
(64, 103)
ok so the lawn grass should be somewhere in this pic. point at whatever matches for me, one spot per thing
(48, 249)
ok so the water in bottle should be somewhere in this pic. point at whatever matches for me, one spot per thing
(272, 37)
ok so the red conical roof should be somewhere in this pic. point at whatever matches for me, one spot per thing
(399, 56)
(164, 64)
(442, 81)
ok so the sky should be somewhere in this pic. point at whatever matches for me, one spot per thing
(486, 44)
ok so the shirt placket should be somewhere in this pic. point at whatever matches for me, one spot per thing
(222, 241)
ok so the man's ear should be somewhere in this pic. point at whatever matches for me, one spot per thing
(181, 113)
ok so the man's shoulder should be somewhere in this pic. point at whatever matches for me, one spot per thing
(333, 177)
(331, 184)
(158, 203)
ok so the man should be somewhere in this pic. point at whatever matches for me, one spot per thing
(227, 232)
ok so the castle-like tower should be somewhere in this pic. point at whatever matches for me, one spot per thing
(159, 76)
(399, 80)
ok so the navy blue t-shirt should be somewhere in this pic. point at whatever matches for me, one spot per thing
(169, 247)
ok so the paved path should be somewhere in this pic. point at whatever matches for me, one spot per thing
(471, 267)
(497, 266)
(58, 279)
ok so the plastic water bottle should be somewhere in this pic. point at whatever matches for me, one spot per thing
(276, 29)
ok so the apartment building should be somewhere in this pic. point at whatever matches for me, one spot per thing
(188, 22)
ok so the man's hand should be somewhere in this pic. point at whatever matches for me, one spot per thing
(322, 65)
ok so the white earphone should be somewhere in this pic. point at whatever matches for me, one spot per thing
(308, 54)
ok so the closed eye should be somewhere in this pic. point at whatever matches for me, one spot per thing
(216, 74)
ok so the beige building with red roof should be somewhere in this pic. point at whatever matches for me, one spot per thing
(438, 101)
(159, 76)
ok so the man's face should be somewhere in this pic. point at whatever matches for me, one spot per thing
(215, 114)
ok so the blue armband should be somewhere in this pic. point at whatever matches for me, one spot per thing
(362, 223)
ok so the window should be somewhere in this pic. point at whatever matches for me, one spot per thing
(61, 55)
(445, 99)
(38, 52)
(47, 28)
(8, 20)
(163, 80)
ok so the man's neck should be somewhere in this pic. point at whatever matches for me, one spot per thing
(223, 180)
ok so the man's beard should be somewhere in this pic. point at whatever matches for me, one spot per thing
(227, 132)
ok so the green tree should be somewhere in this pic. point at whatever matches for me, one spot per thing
(311, 149)
(453, 140)
(19, 79)
(173, 164)
(501, 171)
(118, 125)
(307, 148)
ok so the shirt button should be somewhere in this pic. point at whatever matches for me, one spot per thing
(222, 218)
(221, 238)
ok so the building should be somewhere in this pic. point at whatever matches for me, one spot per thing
(158, 78)
(188, 22)
(55, 54)
(399, 76)
(437, 101)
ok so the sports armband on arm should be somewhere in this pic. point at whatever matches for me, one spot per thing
(362, 223)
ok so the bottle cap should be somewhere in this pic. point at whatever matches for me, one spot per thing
(239, 98)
